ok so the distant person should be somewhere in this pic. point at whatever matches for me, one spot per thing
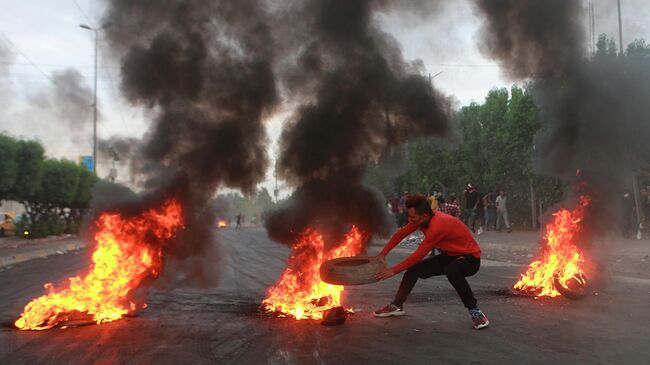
(403, 212)
(433, 200)
(441, 198)
(489, 210)
(501, 203)
(461, 258)
(627, 210)
(394, 208)
(472, 199)
(238, 226)
(480, 212)
(452, 207)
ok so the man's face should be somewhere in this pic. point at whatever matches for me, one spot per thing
(421, 220)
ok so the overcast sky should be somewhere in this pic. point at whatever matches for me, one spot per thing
(43, 50)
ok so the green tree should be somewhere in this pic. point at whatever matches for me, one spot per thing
(8, 165)
(81, 201)
(29, 159)
(48, 208)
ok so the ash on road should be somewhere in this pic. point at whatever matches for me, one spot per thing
(222, 326)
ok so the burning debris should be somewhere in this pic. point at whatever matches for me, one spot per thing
(356, 98)
(593, 112)
(561, 268)
(300, 293)
(128, 252)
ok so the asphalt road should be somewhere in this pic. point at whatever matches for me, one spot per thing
(221, 325)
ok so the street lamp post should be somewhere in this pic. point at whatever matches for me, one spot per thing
(96, 30)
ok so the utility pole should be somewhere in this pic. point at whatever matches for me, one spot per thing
(433, 77)
(96, 30)
(620, 28)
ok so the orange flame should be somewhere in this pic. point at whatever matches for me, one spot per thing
(222, 223)
(126, 253)
(300, 293)
(561, 256)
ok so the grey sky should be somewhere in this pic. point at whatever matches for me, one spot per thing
(47, 34)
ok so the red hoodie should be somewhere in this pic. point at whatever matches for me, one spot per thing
(444, 232)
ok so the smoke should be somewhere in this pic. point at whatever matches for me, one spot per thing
(69, 102)
(594, 111)
(124, 153)
(357, 98)
(59, 114)
(6, 57)
(205, 70)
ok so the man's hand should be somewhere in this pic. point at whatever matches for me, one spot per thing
(384, 274)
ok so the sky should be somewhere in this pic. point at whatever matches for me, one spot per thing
(44, 51)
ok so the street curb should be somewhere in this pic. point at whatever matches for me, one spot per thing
(40, 253)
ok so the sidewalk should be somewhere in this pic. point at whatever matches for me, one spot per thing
(16, 250)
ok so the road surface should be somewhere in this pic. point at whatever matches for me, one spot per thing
(221, 326)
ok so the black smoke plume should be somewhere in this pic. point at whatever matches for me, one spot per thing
(205, 70)
(594, 110)
(356, 98)
(69, 101)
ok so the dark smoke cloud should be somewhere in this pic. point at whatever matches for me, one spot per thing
(538, 39)
(358, 97)
(69, 101)
(123, 152)
(594, 112)
(205, 68)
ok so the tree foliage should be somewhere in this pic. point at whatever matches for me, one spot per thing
(55, 193)
(8, 165)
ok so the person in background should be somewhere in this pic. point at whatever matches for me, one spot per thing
(433, 200)
(501, 203)
(490, 211)
(627, 210)
(472, 198)
(452, 207)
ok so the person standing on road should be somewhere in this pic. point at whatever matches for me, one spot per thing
(238, 226)
(490, 211)
(461, 257)
(472, 198)
(501, 203)
(452, 207)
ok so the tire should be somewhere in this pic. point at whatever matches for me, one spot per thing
(2, 232)
(355, 270)
(575, 290)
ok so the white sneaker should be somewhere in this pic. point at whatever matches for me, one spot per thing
(390, 310)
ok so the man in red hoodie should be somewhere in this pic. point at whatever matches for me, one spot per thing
(461, 257)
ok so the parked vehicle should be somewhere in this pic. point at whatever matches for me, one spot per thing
(7, 224)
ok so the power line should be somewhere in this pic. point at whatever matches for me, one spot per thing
(461, 65)
(13, 63)
(30, 62)
(82, 11)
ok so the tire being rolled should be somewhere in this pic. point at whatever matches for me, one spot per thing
(354, 270)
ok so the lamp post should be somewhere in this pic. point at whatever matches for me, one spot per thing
(96, 30)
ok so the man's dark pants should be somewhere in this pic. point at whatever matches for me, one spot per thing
(456, 268)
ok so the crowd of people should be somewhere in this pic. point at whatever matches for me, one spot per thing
(481, 212)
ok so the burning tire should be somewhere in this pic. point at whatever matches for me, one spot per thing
(575, 288)
(355, 270)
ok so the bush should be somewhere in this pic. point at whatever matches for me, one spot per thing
(49, 225)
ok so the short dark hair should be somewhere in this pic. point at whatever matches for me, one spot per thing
(420, 203)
